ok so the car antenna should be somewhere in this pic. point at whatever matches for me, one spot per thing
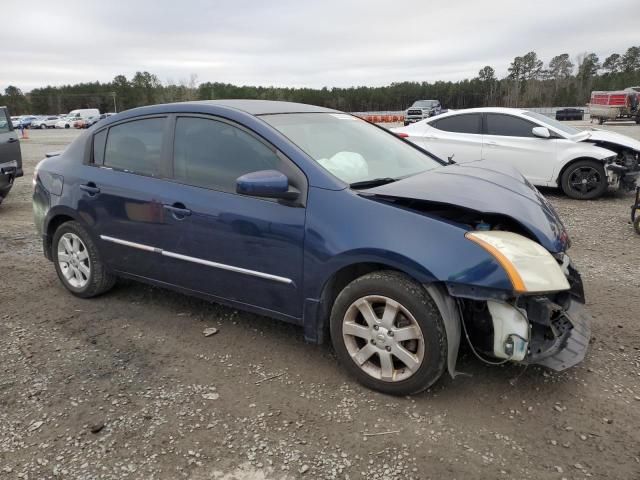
(451, 161)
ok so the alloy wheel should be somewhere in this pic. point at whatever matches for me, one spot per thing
(74, 261)
(383, 338)
(585, 179)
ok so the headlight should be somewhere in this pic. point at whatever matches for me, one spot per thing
(529, 266)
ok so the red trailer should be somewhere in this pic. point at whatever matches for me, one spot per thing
(615, 105)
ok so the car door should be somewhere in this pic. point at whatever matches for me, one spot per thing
(10, 155)
(124, 194)
(509, 139)
(241, 248)
(457, 137)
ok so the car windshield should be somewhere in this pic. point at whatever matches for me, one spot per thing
(351, 149)
(553, 123)
(424, 103)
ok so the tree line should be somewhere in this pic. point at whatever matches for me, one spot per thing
(563, 81)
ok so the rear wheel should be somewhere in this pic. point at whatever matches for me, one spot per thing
(388, 333)
(78, 263)
(584, 180)
(42, 126)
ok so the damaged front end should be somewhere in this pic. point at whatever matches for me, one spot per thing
(551, 330)
(534, 313)
(622, 170)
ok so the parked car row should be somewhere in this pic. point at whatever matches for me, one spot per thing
(82, 118)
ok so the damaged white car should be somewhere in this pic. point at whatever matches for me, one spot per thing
(583, 163)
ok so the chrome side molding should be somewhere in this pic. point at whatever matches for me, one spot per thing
(201, 261)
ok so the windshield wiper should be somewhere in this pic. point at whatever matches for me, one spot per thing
(376, 182)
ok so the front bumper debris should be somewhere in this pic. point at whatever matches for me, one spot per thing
(572, 330)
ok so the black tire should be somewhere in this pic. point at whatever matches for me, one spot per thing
(67, 126)
(406, 123)
(43, 126)
(589, 171)
(412, 296)
(636, 223)
(600, 121)
(100, 280)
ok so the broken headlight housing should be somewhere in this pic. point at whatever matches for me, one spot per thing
(529, 266)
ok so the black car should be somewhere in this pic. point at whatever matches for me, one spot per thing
(10, 156)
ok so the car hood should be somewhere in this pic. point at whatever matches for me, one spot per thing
(611, 137)
(489, 188)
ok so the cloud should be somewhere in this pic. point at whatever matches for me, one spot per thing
(294, 43)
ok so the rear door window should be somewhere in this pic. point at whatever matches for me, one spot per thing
(467, 123)
(508, 126)
(135, 147)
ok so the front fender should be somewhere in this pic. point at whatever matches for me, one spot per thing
(345, 229)
(579, 151)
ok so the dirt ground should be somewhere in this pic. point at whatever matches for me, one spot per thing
(127, 386)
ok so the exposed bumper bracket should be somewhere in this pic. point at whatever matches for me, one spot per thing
(571, 348)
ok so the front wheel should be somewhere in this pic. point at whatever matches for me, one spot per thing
(584, 180)
(78, 263)
(388, 333)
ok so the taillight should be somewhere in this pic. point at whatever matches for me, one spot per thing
(402, 134)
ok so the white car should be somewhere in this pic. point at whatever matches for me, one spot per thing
(65, 122)
(548, 153)
(45, 122)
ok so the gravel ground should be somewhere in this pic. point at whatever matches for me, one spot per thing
(127, 386)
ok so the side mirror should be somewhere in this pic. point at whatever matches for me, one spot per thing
(541, 132)
(268, 184)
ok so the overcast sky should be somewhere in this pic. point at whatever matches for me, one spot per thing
(298, 43)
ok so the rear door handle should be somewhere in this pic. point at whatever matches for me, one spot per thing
(493, 144)
(178, 210)
(90, 188)
(12, 140)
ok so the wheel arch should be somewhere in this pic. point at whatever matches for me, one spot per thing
(316, 320)
(55, 218)
(570, 162)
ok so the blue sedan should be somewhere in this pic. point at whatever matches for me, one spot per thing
(318, 218)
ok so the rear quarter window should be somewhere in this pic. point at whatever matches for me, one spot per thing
(99, 143)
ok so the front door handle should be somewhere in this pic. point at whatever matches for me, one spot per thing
(12, 140)
(492, 144)
(90, 188)
(178, 210)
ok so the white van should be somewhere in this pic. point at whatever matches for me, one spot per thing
(83, 114)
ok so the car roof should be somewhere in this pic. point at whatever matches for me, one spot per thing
(512, 111)
(260, 107)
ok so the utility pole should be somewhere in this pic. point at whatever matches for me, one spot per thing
(115, 106)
